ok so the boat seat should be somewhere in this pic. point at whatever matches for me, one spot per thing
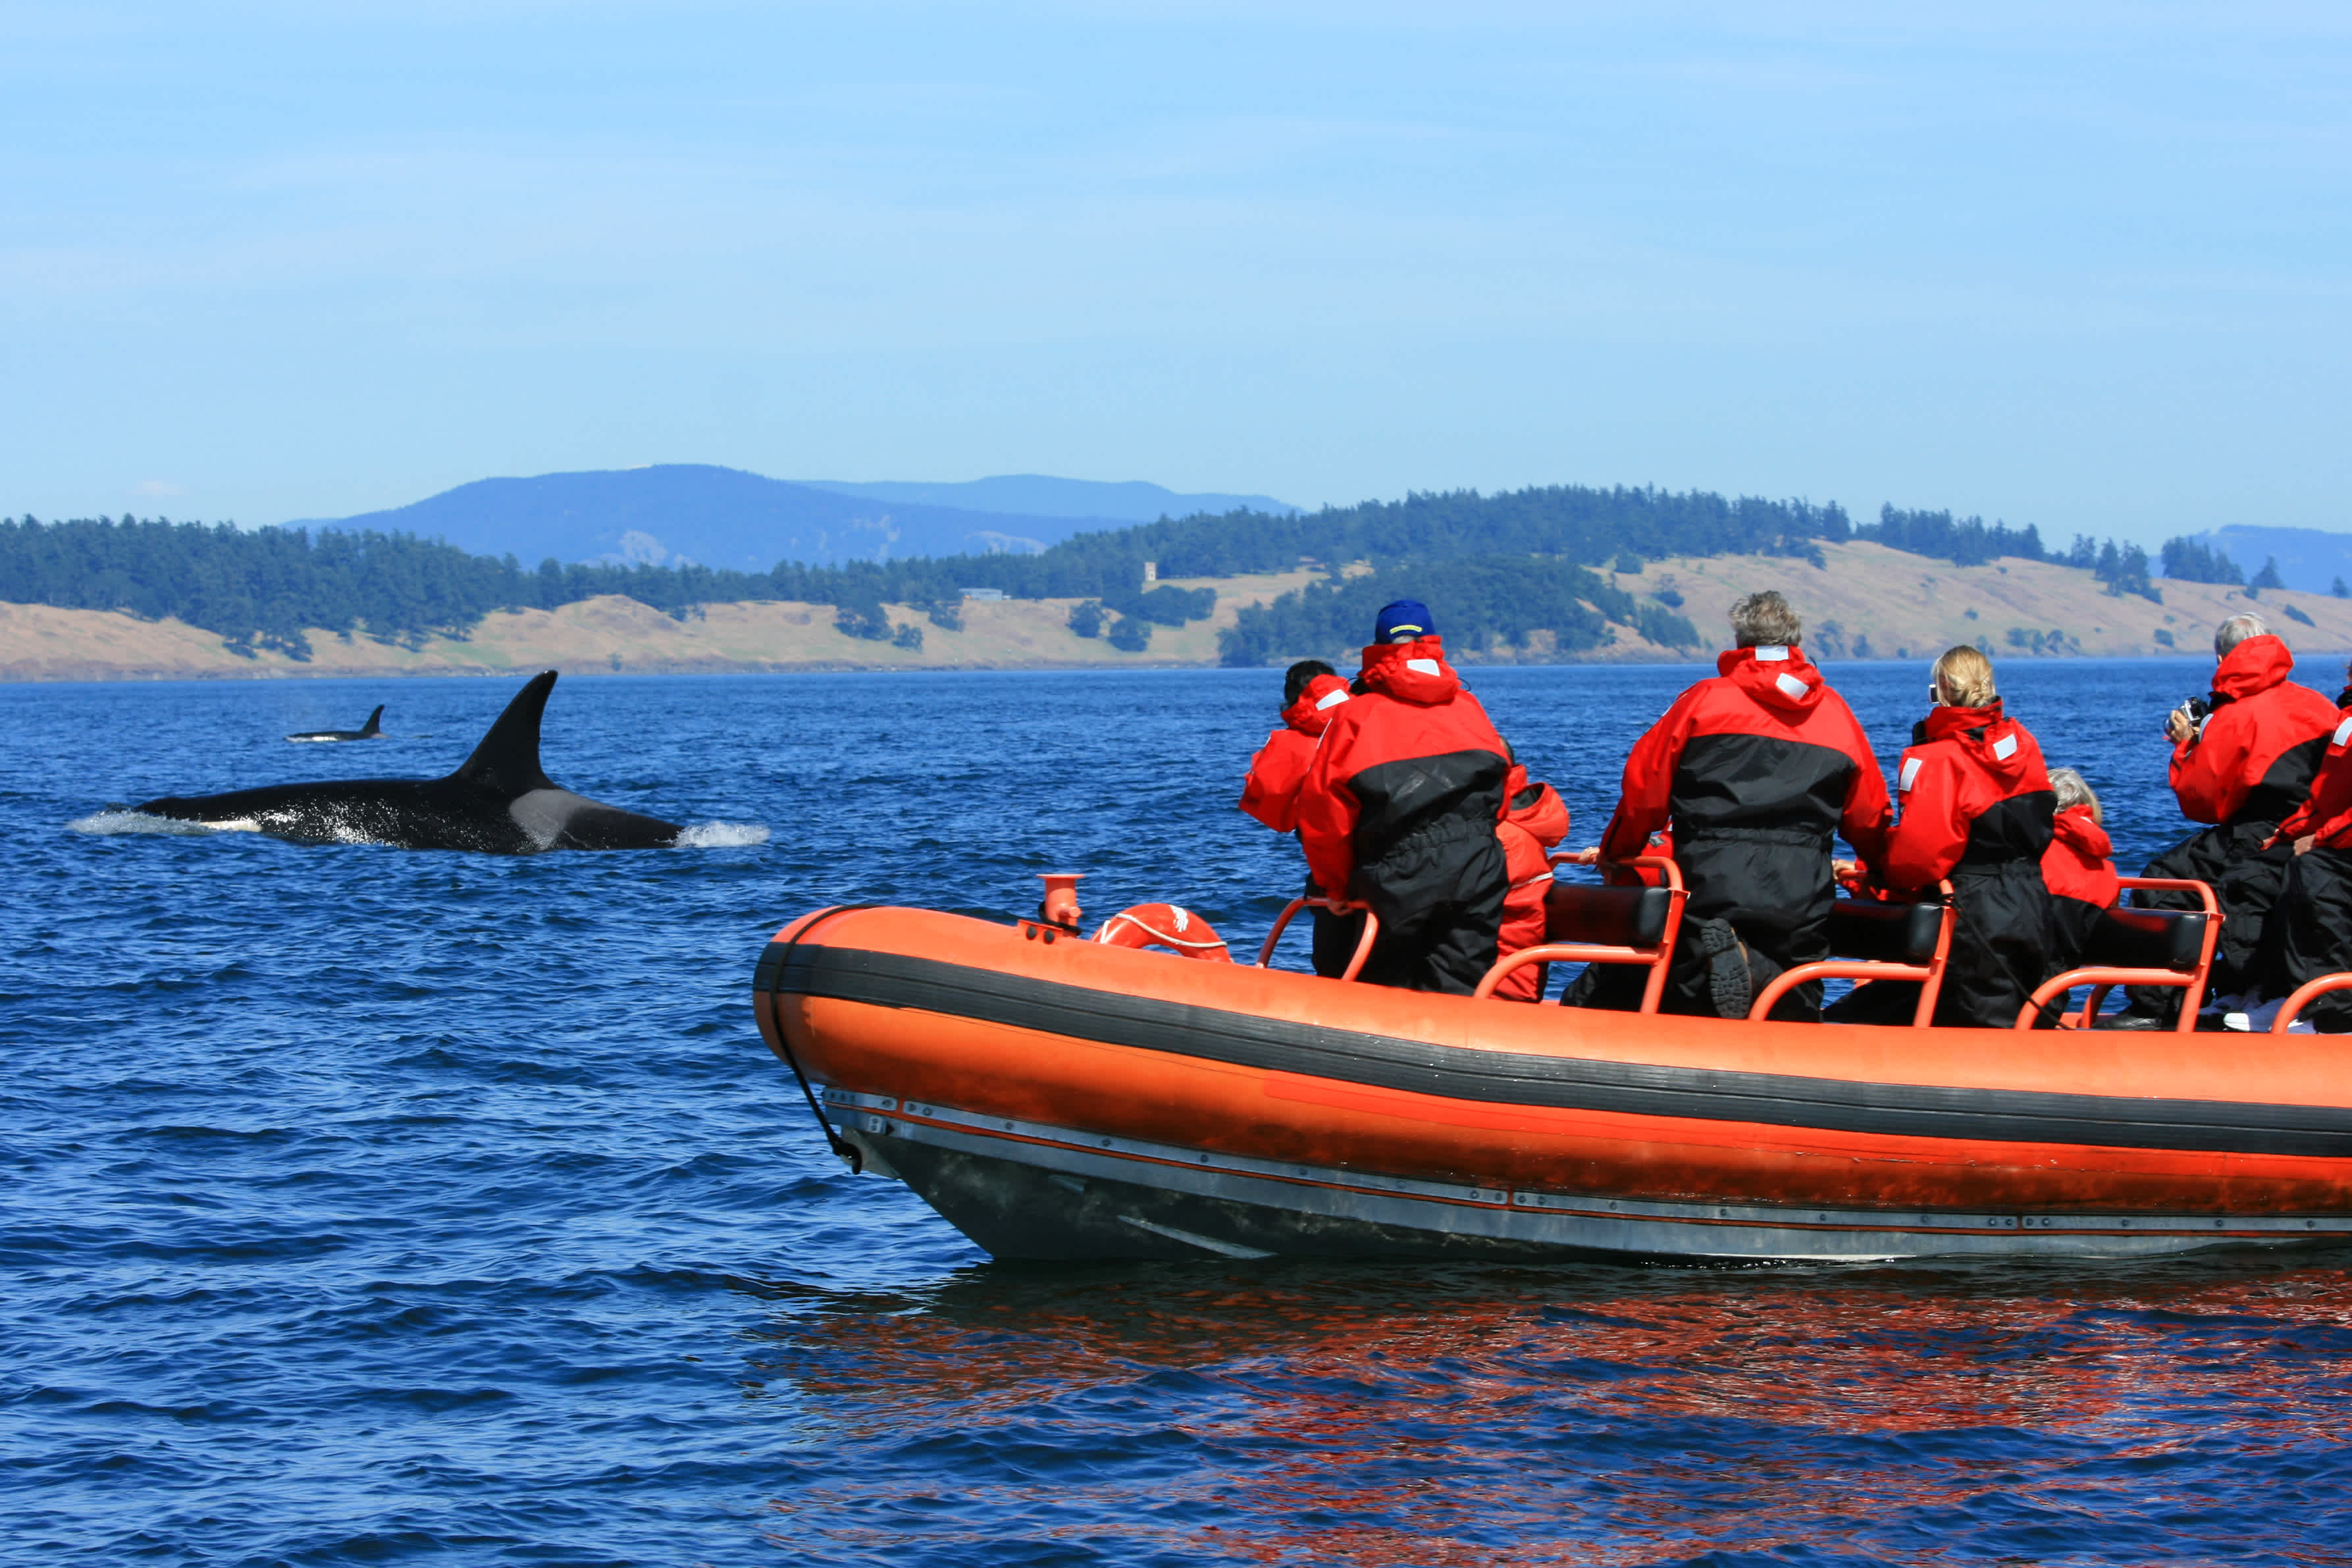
(1871, 940)
(1884, 933)
(2148, 939)
(1617, 917)
(2158, 948)
(1610, 924)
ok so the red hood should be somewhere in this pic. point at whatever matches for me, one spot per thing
(1534, 808)
(1780, 678)
(1982, 731)
(2253, 666)
(1311, 714)
(1413, 671)
(2075, 829)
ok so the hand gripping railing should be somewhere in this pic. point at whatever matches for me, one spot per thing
(1654, 957)
(1337, 907)
(1930, 974)
(2301, 997)
(2104, 978)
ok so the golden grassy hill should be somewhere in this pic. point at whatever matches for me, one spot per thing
(1866, 601)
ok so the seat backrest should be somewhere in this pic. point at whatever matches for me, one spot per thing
(1884, 933)
(1609, 917)
(2148, 939)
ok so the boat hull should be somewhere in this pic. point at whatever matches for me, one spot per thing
(1059, 1099)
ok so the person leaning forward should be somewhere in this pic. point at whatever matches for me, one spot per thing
(1758, 770)
(2243, 767)
(1400, 807)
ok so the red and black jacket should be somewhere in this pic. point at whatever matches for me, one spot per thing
(2254, 757)
(1974, 791)
(1401, 805)
(1758, 770)
(2325, 815)
(1976, 808)
(1270, 794)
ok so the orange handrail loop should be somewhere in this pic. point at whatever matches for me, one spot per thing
(2302, 995)
(1929, 975)
(1337, 907)
(1655, 957)
(2104, 978)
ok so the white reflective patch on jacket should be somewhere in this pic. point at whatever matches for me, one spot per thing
(2005, 747)
(1332, 699)
(1910, 775)
(1791, 684)
(2343, 732)
(1423, 665)
(1771, 653)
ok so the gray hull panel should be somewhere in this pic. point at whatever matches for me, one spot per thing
(1022, 1191)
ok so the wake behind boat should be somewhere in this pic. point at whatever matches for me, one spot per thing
(1059, 1098)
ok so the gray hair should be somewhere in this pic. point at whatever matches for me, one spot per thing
(1765, 620)
(2070, 789)
(2236, 629)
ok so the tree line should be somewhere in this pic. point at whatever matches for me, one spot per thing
(1507, 564)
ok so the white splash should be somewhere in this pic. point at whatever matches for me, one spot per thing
(119, 822)
(721, 835)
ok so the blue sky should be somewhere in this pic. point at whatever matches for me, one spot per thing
(2083, 267)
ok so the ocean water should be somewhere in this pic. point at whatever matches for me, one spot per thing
(370, 1207)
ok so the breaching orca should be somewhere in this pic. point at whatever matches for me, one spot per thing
(497, 802)
(367, 731)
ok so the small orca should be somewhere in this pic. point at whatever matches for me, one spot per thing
(497, 802)
(367, 731)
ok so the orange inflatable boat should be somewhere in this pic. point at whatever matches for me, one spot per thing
(1056, 1097)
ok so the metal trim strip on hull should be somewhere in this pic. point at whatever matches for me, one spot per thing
(1566, 1221)
(1509, 1078)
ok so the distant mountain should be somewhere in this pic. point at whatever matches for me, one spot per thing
(1041, 495)
(717, 517)
(2308, 558)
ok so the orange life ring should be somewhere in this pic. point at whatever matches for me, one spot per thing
(1164, 925)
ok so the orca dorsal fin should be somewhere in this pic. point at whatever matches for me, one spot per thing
(374, 726)
(508, 759)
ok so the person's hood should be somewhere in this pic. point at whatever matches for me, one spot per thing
(1780, 678)
(2075, 830)
(1413, 671)
(1534, 808)
(2254, 665)
(1985, 733)
(1311, 714)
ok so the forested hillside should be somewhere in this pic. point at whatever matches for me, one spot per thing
(1505, 566)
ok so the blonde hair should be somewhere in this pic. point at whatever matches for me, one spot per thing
(1964, 675)
(2070, 789)
(1766, 620)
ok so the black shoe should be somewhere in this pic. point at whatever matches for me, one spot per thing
(2129, 1020)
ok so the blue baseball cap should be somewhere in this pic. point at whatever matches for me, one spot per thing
(1402, 621)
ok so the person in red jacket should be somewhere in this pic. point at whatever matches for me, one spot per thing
(1534, 819)
(2310, 929)
(1400, 808)
(2243, 767)
(1311, 690)
(1977, 809)
(2082, 880)
(1758, 769)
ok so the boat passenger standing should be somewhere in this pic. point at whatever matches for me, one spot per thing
(2243, 765)
(2082, 880)
(1758, 769)
(2310, 931)
(1400, 807)
(1311, 690)
(1535, 819)
(1976, 808)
